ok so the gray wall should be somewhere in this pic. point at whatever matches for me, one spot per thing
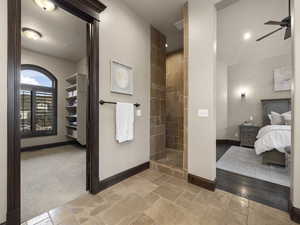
(222, 100)
(124, 37)
(60, 68)
(256, 79)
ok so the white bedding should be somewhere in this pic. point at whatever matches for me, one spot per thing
(273, 137)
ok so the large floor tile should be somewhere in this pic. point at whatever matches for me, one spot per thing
(131, 205)
(156, 199)
(168, 191)
(164, 212)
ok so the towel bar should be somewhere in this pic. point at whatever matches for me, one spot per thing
(102, 102)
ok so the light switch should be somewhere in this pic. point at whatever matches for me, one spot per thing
(203, 112)
(139, 113)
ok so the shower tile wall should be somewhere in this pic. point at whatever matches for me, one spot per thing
(185, 17)
(158, 96)
(174, 106)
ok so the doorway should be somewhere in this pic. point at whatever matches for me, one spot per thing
(252, 59)
(87, 11)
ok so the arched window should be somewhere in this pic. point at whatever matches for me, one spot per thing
(38, 102)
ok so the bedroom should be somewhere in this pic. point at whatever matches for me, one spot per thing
(253, 100)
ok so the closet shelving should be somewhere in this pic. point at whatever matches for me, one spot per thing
(76, 102)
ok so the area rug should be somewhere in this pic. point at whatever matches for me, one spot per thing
(244, 161)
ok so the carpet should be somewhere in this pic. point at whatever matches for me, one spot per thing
(50, 178)
(244, 161)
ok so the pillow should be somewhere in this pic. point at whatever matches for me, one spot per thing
(270, 118)
(276, 119)
(288, 122)
(287, 118)
(280, 119)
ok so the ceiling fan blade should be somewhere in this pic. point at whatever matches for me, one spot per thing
(271, 22)
(269, 34)
(288, 33)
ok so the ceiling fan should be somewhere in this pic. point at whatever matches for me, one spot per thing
(285, 23)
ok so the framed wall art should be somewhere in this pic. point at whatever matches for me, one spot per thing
(121, 78)
(282, 79)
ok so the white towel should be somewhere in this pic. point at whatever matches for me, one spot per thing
(124, 122)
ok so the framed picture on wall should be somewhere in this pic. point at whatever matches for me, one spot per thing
(282, 79)
(121, 78)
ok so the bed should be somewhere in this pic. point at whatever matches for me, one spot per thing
(275, 156)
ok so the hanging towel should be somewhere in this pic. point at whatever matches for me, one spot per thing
(124, 122)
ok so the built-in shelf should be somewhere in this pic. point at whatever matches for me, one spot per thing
(72, 97)
(71, 116)
(71, 126)
(72, 79)
(72, 87)
(76, 88)
(70, 136)
(71, 106)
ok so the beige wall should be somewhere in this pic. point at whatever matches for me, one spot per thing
(222, 100)
(60, 68)
(3, 109)
(295, 192)
(124, 37)
(202, 63)
(257, 81)
(82, 66)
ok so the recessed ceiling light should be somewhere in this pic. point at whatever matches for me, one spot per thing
(31, 34)
(166, 45)
(247, 36)
(46, 5)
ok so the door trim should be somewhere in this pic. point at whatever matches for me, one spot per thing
(87, 10)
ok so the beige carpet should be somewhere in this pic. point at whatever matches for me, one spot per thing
(51, 178)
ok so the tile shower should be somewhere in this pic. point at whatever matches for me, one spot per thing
(174, 108)
(167, 103)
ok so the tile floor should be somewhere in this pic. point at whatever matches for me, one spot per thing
(173, 158)
(153, 198)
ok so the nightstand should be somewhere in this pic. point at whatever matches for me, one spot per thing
(248, 135)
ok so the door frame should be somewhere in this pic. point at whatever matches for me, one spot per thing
(87, 10)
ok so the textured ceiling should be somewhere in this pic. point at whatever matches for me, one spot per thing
(64, 35)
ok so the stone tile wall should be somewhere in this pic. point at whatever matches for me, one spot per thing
(185, 84)
(174, 104)
(158, 96)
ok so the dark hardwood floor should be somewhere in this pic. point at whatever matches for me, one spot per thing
(264, 192)
(222, 149)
